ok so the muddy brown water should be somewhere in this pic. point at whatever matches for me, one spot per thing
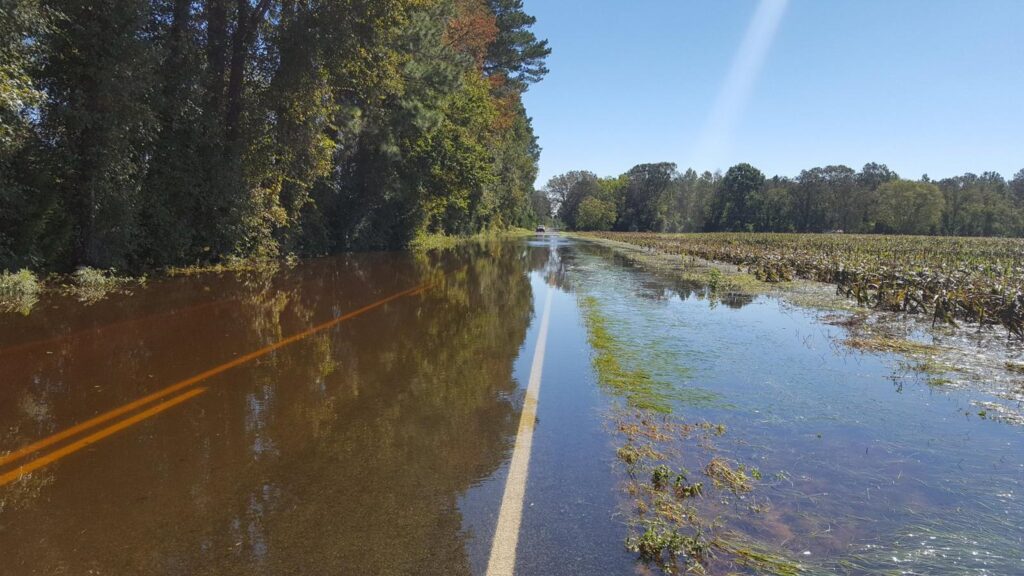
(379, 444)
(341, 453)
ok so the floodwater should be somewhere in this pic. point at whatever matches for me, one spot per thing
(357, 415)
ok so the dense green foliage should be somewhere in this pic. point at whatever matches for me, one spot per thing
(658, 198)
(143, 133)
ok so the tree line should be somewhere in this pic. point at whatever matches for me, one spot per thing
(144, 133)
(658, 197)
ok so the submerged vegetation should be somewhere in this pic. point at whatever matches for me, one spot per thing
(19, 291)
(424, 242)
(672, 521)
(90, 285)
(880, 343)
(700, 499)
(234, 264)
(627, 370)
(977, 280)
(637, 386)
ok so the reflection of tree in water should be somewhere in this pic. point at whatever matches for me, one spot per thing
(407, 408)
(343, 453)
(685, 290)
(663, 284)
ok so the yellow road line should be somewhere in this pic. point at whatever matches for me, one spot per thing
(20, 471)
(506, 536)
(106, 416)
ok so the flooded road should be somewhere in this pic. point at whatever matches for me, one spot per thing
(359, 415)
(343, 452)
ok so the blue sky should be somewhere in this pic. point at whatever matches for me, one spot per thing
(925, 86)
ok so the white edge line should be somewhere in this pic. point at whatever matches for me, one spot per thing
(506, 536)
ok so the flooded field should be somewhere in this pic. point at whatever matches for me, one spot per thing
(358, 415)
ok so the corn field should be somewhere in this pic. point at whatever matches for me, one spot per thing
(975, 280)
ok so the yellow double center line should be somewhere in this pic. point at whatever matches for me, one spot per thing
(37, 463)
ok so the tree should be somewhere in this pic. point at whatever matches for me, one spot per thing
(907, 207)
(846, 198)
(977, 205)
(141, 133)
(516, 155)
(541, 204)
(1017, 189)
(644, 196)
(873, 175)
(732, 208)
(516, 54)
(770, 206)
(1017, 197)
(824, 198)
(25, 197)
(99, 120)
(595, 214)
(567, 191)
(21, 23)
(870, 177)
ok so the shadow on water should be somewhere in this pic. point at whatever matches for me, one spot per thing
(342, 453)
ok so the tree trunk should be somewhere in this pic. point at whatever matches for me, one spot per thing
(216, 51)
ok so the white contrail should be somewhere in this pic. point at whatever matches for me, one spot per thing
(735, 92)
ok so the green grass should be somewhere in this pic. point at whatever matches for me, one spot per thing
(19, 291)
(234, 264)
(426, 242)
(879, 343)
(611, 359)
(89, 285)
(758, 558)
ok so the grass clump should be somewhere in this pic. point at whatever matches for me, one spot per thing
(725, 476)
(19, 291)
(234, 264)
(890, 344)
(671, 528)
(89, 285)
(424, 242)
(931, 367)
(1016, 367)
(757, 558)
(663, 545)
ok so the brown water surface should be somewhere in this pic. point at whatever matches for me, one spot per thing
(340, 451)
